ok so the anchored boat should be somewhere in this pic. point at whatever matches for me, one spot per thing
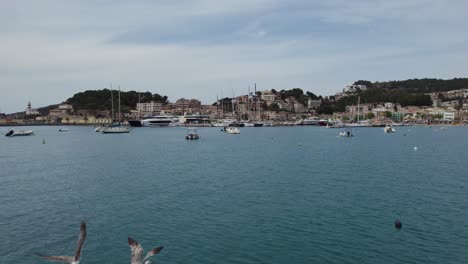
(16, 133)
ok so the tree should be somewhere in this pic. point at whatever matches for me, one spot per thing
(388, 114)
(363, 82)
(370, 115)
(311, 95)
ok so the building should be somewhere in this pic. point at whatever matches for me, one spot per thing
(187, 105)
(354, 88)
(150, 108)
(448, 116)
(268, 96)
(31, 111)
(61, 111)
(313, 104)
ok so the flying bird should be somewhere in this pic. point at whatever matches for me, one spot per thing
(70, 259)
(137, 252)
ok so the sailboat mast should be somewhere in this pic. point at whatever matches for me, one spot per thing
(112, 103)
(358, 103)
(119, 103)
(255, 101)
(139, 103)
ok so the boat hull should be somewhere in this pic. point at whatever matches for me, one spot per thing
(135, 123)
(21, 133)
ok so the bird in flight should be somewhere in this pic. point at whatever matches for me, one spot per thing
(70, 259)
(137, 252)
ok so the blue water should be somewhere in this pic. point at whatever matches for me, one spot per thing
(268, 195)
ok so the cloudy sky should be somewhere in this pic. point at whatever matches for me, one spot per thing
(206, 48)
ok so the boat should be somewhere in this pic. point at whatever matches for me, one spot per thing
(346, 134)
(63, 130)
(257, 124)
(323, 122)
(135, 123)
(232, 130)
(16, 133)
(311, 121)
(389, 129)
(98, 129)
(247, 124)
(191, 134)
(157, 121)
(116, 128)
(224, 129)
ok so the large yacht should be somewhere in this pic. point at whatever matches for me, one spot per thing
(156, 121)
(311, 121)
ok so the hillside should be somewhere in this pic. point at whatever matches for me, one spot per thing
(101, 99)
(419, 85)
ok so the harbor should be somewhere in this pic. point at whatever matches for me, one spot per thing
(294, 188)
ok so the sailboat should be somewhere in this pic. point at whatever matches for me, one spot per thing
(359, 123)
(116, 128)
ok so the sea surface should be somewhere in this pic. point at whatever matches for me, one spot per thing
(269, 195)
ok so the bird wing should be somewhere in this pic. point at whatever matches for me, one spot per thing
(81, 239)
(153, 252)
(57, 258)
(133, 243)
(137, 250)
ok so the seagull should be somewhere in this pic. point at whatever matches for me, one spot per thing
(137, 252)
(70, 259)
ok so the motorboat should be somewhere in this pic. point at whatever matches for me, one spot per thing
(232, 130)
(16, 133)
(115, 129)
(192, 134)
(157, 121)
(389, 129)
(346, 134)
(63, 130)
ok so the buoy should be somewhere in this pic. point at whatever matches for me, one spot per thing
(398, 224)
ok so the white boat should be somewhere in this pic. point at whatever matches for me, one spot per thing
(389, 129)
(157, 121)
(218, 124)
(98, 129)
(232, 130)
(16, 133)
(115, 129)
(63, 130)
(311, 121)
(346, 134)
(248, 124)
(191, 134)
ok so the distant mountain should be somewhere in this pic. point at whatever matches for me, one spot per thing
(419, 85)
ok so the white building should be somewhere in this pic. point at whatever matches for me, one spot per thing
(314, 104)
(354, 88)
(449, 116)
(268, 96)
(31, 111)
(149, 108)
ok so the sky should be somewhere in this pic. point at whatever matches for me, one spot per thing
(202, 49)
